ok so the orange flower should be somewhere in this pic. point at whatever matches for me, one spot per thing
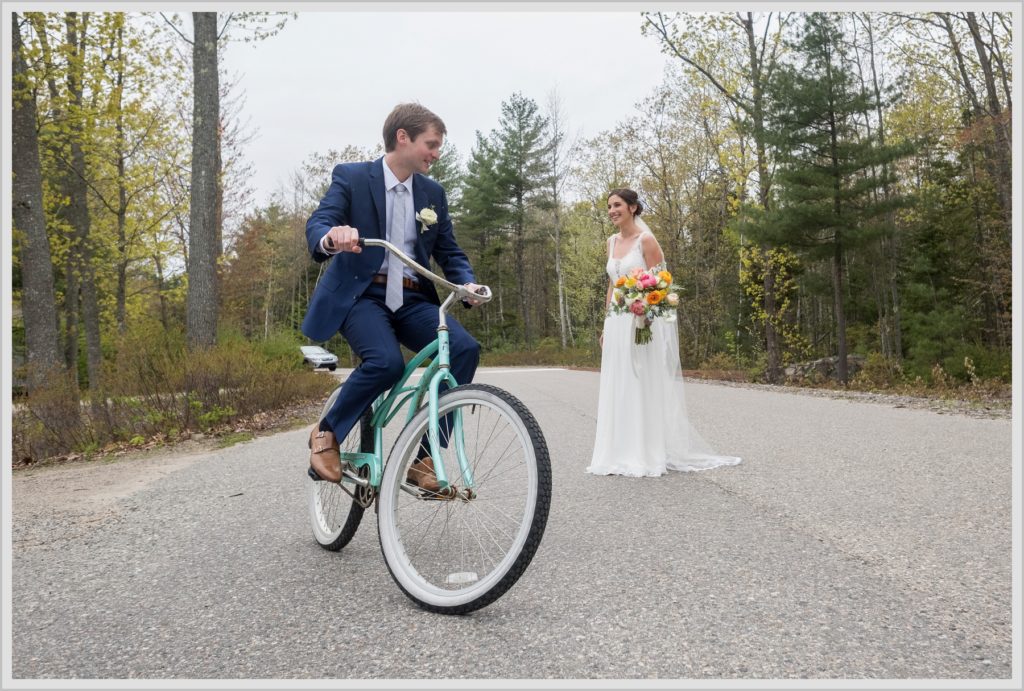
(665, 276)
(620, 282)
(654, 297)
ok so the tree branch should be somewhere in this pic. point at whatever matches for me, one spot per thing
(225, 27)
(171, 24)
(663, 31)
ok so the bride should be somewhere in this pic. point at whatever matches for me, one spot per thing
(642, 427)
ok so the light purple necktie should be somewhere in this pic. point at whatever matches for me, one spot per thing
(397, 238)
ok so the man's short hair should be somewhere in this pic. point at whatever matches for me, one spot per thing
(414, 119)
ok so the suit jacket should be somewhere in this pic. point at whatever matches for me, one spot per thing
(356, 198)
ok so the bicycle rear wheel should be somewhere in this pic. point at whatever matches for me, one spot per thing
(456, 556)
(334, 514)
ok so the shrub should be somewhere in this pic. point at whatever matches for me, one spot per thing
(155, 387)
(985, 363)
(878, 372)
(722, 366)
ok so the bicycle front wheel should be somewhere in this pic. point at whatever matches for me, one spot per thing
(334, 513)
(457, 555)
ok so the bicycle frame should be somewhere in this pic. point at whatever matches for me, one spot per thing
(437, 372)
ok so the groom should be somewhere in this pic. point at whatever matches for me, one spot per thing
(373, 299)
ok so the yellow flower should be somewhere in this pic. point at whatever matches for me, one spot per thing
(630, 282)
(665, 276)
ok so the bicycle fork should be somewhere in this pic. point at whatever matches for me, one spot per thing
(444, 375)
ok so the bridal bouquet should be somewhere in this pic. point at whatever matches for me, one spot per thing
(646, 295)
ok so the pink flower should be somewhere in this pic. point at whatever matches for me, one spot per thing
(649, 281)
(637, 308)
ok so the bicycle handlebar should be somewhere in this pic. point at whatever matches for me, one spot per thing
(484, 293)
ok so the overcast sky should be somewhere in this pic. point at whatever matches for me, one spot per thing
(329, 79)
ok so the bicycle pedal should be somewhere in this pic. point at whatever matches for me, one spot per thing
(451, 494)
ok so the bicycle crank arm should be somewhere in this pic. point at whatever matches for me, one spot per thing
(349, 475)
(464, 494)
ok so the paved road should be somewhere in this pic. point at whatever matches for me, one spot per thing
(855, 540)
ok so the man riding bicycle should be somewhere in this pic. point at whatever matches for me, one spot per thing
(371, 297)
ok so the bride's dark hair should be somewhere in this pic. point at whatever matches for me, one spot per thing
(630, 197)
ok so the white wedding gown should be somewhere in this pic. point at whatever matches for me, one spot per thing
(642, 427)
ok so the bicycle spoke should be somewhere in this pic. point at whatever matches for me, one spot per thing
(495, 523)
(490, 474)
(426, 531)
(483, 550)
(490, 534)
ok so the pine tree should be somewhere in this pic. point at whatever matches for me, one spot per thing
(481, 219)
(829, 170)
(447, 171)
(522, 170)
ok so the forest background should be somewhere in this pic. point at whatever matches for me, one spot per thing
(830, 187)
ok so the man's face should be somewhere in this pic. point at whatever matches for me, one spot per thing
(421, 152)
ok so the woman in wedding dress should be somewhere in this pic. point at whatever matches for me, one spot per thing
(642, 426)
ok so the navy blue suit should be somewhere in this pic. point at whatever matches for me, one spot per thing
(346, 300)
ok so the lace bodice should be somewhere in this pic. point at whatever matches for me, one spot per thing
(633, 259)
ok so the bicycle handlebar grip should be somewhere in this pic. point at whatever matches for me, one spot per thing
(484, 292)
(361, 242)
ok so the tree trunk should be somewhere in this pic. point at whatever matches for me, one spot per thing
(563, 311)
(837, 293)
(1004, 170)
(78, 207)
(204, 235)
(997, 161)
(122, 192)
(70, 303)
(958, 55)
(38, 303)
(160, 290)
(520, 264)
(890, 241)
(773, 345)
(554, 120)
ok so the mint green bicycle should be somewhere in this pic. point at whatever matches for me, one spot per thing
(461, 548)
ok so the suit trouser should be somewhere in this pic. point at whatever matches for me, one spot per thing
(374, 333)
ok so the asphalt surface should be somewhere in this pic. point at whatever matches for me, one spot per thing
(856, 540)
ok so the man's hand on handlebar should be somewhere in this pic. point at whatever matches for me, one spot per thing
(473, 288)
(343, 239)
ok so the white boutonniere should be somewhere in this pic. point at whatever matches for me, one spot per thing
(427, 217)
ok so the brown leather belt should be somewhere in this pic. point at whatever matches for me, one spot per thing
(407, 282)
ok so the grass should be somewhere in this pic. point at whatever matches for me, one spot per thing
(232, 438)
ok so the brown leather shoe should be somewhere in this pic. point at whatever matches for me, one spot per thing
(421, 473)
(324, 459)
